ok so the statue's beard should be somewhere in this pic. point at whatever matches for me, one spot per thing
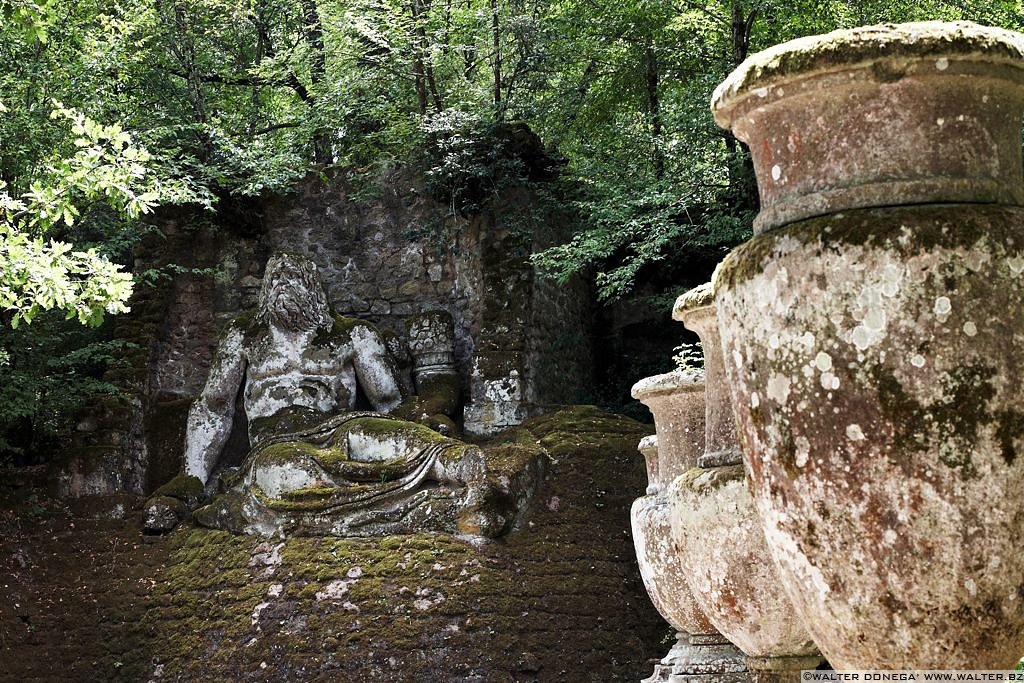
(293, 314)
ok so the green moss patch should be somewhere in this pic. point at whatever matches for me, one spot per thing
(563, 595)
(187, 489)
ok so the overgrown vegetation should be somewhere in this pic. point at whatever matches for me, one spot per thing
(202, 101)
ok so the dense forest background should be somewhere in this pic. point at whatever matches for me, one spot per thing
(109, 109)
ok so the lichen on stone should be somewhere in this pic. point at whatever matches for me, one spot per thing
(698, 297)
(705, 481)
(669, 382)
(931, 226)
(849, 48)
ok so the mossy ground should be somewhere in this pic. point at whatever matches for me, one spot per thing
(560, 600)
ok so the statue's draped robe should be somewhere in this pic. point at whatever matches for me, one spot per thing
(359, 483)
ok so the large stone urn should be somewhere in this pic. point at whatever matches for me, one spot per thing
(676, 400)
(871, 331)
(730, 572)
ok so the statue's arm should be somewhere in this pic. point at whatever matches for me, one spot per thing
(212, 413)
(375, 369)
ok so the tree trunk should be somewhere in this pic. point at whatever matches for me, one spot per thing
(742, 181)
(654, 108)
(496, 61)
(423, 71)
(322, 153)
(182, 48)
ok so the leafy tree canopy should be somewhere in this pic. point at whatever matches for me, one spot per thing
(111, 107)
(201, 99)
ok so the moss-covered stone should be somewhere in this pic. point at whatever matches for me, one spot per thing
(186, 488)
(864, 45)
(708, 480)
(199, 604)
(225, 512)
(286, 421)
(163, 513)
(698, 297)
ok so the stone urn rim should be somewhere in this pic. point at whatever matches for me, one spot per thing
(889, 115)
(668, 383)
(701, 296)
(864, 47)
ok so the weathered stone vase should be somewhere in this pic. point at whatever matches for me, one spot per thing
(718, 532)
(871, 332)
(677, 401)
(696, 310)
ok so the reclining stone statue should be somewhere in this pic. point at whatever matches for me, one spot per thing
(317, 465)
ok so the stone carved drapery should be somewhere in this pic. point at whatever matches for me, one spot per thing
(317, 467)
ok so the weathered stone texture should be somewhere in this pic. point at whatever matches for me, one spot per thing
(883, 425)
(887, 116)
(384, 258)
(559, 601)
(560, 347)
(519, 342)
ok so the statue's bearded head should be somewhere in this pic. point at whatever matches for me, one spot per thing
(291, 296)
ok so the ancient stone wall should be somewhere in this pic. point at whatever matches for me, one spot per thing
(560, 365)
(386, 256)
(386, 251)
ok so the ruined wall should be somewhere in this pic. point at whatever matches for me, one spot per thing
(385, 256)
(135, 443)
(385, 251)
(515, 374)
(561, 353)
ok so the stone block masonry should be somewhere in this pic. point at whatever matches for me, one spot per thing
(384, 256)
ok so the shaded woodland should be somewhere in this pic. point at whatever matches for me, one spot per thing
(110, 111)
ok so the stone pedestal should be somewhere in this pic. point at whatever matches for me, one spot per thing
(872, 351)
(432, 347)
(779, 669)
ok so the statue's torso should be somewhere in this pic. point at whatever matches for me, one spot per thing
(312, 372)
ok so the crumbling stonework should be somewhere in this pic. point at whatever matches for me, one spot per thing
(384, 257)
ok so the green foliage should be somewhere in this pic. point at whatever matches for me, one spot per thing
(30, 19)
(689, 357)
(208, 99)
(235, 97)
(51, 368)
(37, 274)
(660, 182)
(470, 160)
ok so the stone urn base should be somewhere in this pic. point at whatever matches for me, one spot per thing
(732, 576)
(706, 655)
(779, 669)
(878, 381)
(701, 659)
